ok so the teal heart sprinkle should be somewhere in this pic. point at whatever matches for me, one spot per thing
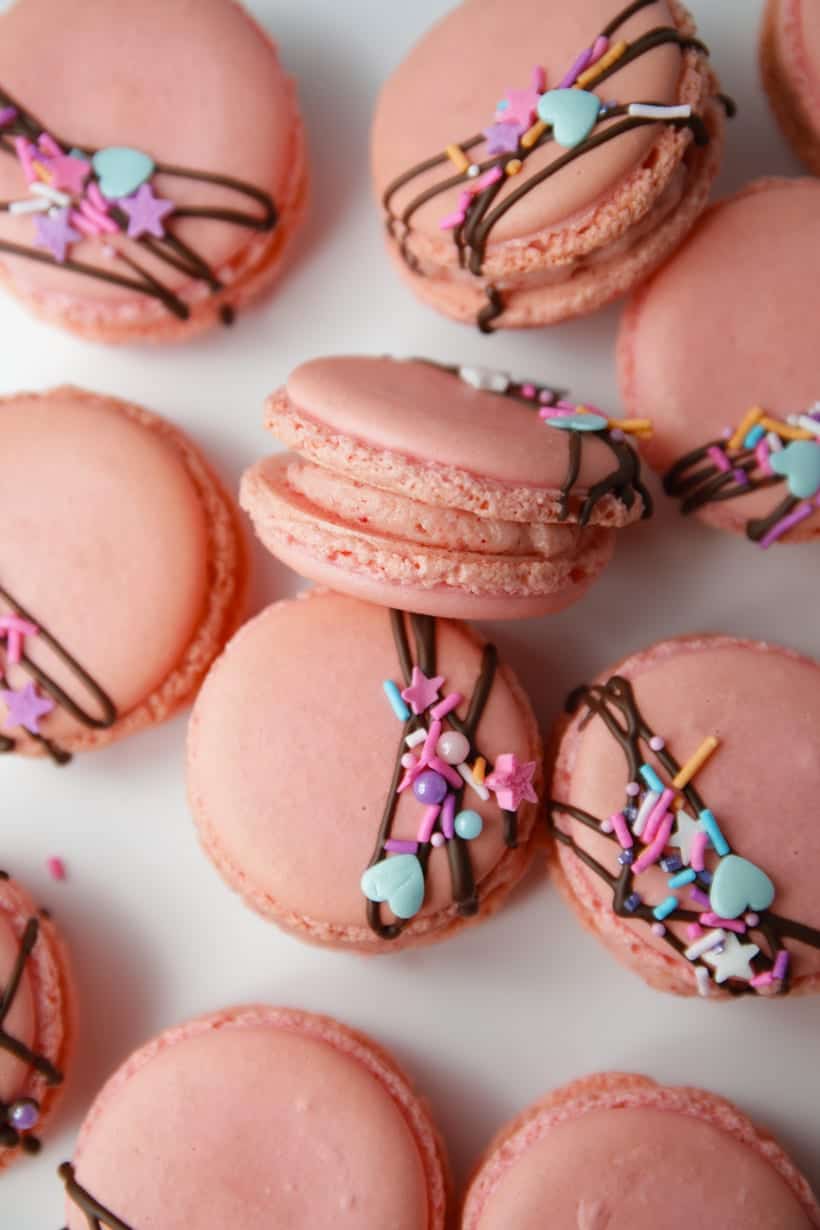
(577, 422)
(799, 464)
(739, 885)
(572, 113)
(121, 170)
(399, 881)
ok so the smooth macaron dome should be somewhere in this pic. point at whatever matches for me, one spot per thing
(36, 1021)
(732, 385)
(620, 1152)
(365, 779)
(149, 183)
(114, 527)
(790, 65)
(258, 1117)
(442, 489)
(536, 160)
(662, 806)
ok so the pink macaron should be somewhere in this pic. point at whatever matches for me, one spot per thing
(452, 491)
(535, 160)
(150, 183)
(620, 1152)
(36, 1020)
(367, 780)
(790, 65)
(258, 1117)
(732, 382)
(122, 571)
(682, 806)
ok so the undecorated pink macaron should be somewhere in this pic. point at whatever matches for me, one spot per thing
(365, 779)
(536, 159)
(447, 490)
(683, 802)
(150, 183)
(720, 349)
(122, 571)
(620, 1152)
(258, 1117)
(790, 64)
(36, 1020)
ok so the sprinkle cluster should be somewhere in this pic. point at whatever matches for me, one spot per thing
(567, 114)
(27, 705)
(74, 196)
(438, 764)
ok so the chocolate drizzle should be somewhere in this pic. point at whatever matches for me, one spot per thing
(465, 894)
(170, 249)
(472, 236)
(623, 482)
(614, 703)
(107, 710)
(696, 481)
(97, 1215)
(10, 1137)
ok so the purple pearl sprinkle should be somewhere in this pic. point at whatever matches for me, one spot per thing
(657, 743)
(617, 434)
(429, 787)
(23, 1115)
(658, 929)
(606, 826)
(751, 920)
(437, 839)
(633, 790)
(727, 433)
(545, 397)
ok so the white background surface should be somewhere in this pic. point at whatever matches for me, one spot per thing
(491, 1019)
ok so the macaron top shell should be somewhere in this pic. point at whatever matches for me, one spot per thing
(701, 343)
(423, 429)
(621, 1153)
(112, 529)
(472, 57)
(260, 1117)
(184, 88)
(20, 1021)
(762, 704)
(292, 749)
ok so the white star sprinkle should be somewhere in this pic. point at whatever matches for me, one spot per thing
(734, 961)
(684, 834)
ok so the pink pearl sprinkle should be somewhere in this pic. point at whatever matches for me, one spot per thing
(694, 931)
(408, 760)
(56, 868)
(657, 743)
(658, 929)
(528, 390)
(437, 839)
(633, 790)
(751, 920)
(606, 826)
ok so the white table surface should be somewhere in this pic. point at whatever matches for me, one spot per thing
(488, 1021)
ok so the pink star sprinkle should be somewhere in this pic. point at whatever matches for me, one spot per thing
(422, 692)
(55, 233)
(511, 781)
(146, 212)
(15, 629)
(25, 708)
(503, 138)
(69, 173)
(521, 107)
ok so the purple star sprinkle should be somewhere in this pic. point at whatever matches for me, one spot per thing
(55, 233)
(25, 708)
(503, 138)
(146, 212)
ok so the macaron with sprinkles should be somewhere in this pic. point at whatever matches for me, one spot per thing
(443, 489)
(535, 160)
(368, 780)
(615, 1151)
(682, 802)
(115, 526)
(790, 67)
(252, 1117)
(37, 1022)
(721, 351)
(150, 184)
